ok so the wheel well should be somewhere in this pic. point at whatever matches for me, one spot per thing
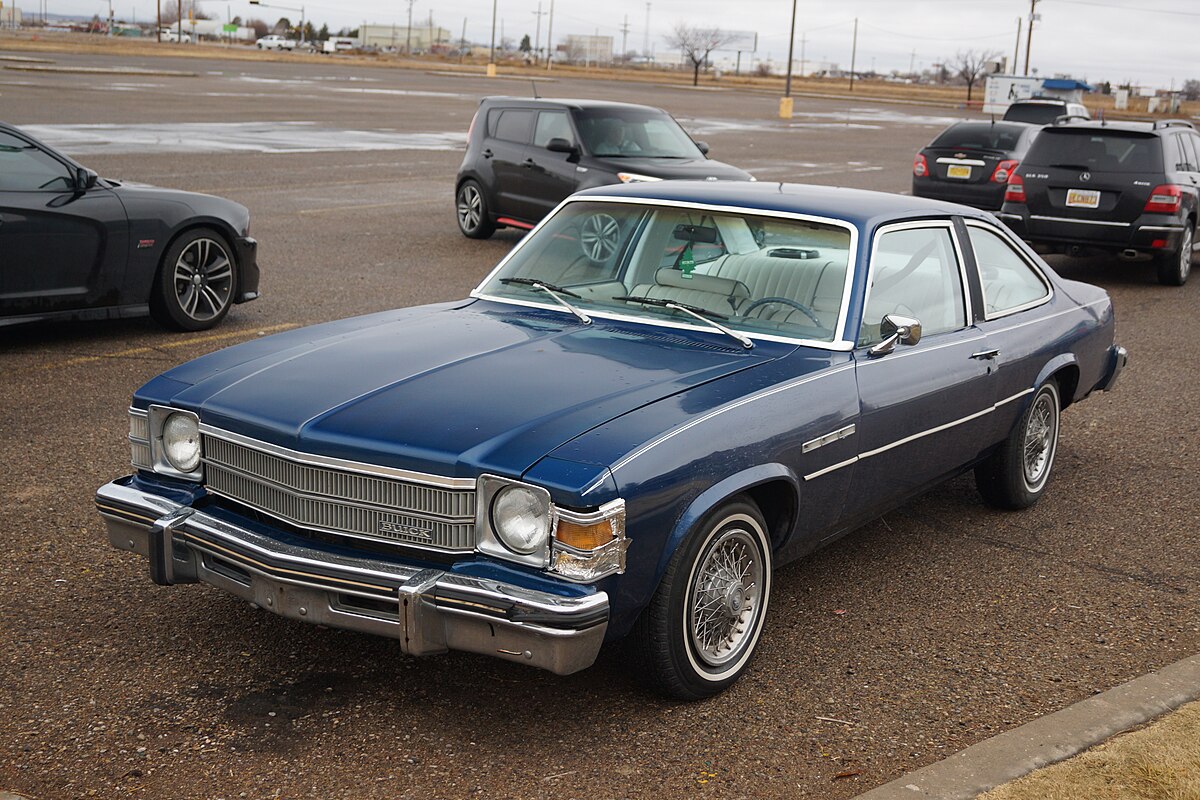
(777, 502)
(1068, 380)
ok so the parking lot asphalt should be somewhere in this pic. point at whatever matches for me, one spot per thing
(925, 632)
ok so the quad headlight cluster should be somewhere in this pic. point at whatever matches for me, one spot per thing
(518, 522)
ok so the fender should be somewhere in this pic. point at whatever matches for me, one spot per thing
(713, 496)
(1052, 366)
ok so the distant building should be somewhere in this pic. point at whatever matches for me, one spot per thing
(10, 17)
(421, 38)
(582, 49)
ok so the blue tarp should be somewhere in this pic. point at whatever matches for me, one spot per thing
(1065, 84)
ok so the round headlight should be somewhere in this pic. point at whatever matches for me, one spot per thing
(181, 442)
(521, 519)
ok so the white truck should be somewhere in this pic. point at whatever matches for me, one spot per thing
(338, 44)
(274, 41)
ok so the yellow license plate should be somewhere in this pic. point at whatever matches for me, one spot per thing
(1083, 198)
(958, 171)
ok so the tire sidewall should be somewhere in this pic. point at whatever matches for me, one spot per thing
(698, 677)
(483, 228)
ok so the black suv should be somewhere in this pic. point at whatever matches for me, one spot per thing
(1045, 111)
(1125, 187)
(524, 156)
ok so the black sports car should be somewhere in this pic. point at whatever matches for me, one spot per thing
(75, 245)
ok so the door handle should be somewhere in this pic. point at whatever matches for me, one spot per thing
(985, 355)
(487, 153)
(529, 162)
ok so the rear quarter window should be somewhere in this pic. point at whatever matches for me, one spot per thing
(1108, 151)
(510, 124)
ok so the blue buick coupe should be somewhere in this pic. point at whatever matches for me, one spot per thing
(662, 393)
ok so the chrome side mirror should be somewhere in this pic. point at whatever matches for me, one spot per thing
(896, 330)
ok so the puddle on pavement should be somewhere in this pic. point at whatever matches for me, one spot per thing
(226, 137)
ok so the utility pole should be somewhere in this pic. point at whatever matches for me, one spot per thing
(550, 38)
(1029, 34)
(1017, 48)
(158, 30)
(408, 33)
(537, 36)
(785, 102)
(431, 36)
(912, 61)
(854, 53)
(646, 40)
(179, 21)
(803, 38)
(625, 37)
(462, 43)
(491, 67)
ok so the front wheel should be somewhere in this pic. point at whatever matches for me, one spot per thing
(195, 284)
(700, 629)
(1015, 476)
(474, 219)
(1174, 267)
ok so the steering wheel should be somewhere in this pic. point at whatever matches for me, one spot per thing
(803, 309)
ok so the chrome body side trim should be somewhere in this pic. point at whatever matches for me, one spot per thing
(427, 610)
(967, 162)
(829, 438)
(1080, 221)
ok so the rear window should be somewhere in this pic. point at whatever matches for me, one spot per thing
(980, 136)
(1037, 113)
(1109, 151)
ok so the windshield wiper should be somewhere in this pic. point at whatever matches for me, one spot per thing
(701, 314)
(554, 291)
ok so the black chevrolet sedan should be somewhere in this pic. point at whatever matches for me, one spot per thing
(970, 162)
(78, 246)
(525, 155)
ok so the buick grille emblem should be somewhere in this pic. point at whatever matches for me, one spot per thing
(389, 527)
(1085, 176)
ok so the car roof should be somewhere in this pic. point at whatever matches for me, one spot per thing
(1045, 101)
(860, 207)
(573, 103)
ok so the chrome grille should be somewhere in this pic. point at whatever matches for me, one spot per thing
(340, 500)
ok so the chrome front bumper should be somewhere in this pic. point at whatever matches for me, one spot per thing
(427, 610)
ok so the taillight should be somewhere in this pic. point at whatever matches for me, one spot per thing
(1165, 199)
(920, 168)
(1003, 170)
(1015, 191)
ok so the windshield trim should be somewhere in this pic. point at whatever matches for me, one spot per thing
(839, 344)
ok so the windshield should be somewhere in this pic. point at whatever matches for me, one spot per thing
(980, 136)
(754, 273)
(633, 133)
(1110, 151)
(1037, 113)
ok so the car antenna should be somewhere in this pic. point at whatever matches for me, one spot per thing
(1103, 123)
(535, 94)
(993, 119)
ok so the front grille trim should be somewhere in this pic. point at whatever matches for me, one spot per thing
(323, 494)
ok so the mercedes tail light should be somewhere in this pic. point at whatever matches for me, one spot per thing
(920, 167)
(1015, 191)
(1003, 170)
(1165, 199)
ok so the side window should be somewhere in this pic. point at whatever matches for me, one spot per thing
(916, 274)
(1173, 153)
(552, 125)
(1006, 279)
(511, 125)
(1191, 150)
(25, 168)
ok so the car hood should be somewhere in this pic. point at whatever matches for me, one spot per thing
(450, 391)
(142, 199)
(676, 168)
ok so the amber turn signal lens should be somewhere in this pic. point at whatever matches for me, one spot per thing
(584, 537)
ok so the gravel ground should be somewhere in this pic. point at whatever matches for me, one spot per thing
(922, 633)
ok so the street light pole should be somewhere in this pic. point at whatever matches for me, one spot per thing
(491, 67)
(785, 102)
(408, 33)
(1029, 32)
(550, 38)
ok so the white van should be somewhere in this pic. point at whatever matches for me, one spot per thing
(338, 44)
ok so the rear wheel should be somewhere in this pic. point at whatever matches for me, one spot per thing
(194, 287)
(700, 629)
(1174, 267)
(1015, 476)
(474, 218)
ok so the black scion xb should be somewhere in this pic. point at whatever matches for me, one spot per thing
(524, 156)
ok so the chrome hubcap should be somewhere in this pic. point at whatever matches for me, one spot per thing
(1185, 254)
(1040, 436)
(726, 598)
(598, 237)
(470, 208)
(203, 279)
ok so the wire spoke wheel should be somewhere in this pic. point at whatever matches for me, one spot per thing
(203, 279)
(1041, 435)
(599, 236)
(725, 601)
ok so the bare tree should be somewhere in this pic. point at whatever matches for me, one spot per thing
(260, 27)
(971, 66)
(696, 43)
(191, 10)
(1191, 89)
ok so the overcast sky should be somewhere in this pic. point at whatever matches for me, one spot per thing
(1150, 42)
